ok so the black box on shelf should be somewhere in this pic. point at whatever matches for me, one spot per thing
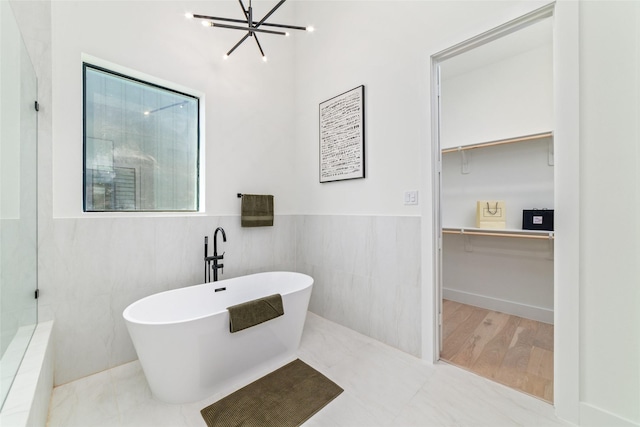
(537, 219)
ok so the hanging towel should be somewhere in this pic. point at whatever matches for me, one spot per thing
(257, 210)
(251, 313)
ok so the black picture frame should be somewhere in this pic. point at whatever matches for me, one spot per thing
(342, 136)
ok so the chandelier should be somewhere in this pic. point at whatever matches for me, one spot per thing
(253, 28)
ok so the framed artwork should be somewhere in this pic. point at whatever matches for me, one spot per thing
(342, 136)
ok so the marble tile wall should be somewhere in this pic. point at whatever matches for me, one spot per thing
(366, 271)
(91, 269)
(366, 268)
(367, 274)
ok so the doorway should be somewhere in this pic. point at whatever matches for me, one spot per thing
(494, 145)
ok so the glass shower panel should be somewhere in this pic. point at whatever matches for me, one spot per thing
(18, 199)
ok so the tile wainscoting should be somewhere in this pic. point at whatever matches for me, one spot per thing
(91, 269)
(367, 274)
(366, 271)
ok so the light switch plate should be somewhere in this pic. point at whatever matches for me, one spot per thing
(411, 197)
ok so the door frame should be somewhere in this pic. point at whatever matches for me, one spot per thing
(565, 14)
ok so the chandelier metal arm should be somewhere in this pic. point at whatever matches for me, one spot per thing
(244, 10)
(292, 27)
(217, 18)
(249, 16)
(246, 36)
(243, 21)
(280, 3)
(249, 29)
(255, 36)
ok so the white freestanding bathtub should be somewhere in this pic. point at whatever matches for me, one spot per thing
(183, 341)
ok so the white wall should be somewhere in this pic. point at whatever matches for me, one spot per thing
(485, 99)
(609, 249)
(504, 99)
(373, 45)
(93, 265)
(513, 276)
(517, 173)
(394, 67)
(10, 113)
(248, 114)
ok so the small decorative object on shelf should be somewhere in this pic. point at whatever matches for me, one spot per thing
(537, 219)
(491, 214)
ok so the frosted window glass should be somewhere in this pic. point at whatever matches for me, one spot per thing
(141, 145)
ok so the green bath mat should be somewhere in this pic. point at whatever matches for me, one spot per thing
(288, 396)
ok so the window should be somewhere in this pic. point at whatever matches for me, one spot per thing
(141, 145)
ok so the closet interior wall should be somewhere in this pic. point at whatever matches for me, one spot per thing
(501, 90)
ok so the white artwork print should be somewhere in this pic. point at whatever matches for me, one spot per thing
(342, 136)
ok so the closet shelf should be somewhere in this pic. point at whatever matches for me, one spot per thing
(499, 142)
(522, 234)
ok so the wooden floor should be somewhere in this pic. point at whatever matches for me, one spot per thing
(507, 349)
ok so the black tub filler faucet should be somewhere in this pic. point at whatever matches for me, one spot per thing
(208, 266)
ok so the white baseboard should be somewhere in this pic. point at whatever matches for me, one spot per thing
(517, 309)
(590, 416)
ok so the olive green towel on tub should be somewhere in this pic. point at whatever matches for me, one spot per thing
(257, 210)
(251, 313)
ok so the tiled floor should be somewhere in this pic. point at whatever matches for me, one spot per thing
(383, 387)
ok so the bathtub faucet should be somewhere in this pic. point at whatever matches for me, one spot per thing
(217, 257)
